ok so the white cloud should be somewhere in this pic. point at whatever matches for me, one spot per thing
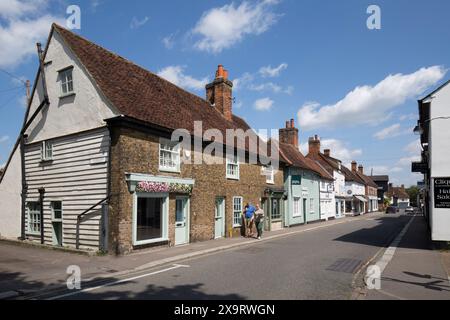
(263, 104)
(176, 75)
(137, 23)
(338, 148)
(370, 104)
(268, 71)
(389, 132)
(24, 24)
(378, 170)
(413, 147)
(410, 116)
(4, 139)
(270, 86)
(221, 28)
(169, 41)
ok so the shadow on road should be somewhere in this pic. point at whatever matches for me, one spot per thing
(385, 231)
(437, 284)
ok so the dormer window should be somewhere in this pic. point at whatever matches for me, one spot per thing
(66, 78)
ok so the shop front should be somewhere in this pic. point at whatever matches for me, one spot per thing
(161, 209)
(273, 206)
(355, 205)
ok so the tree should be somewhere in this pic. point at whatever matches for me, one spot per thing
(413, 192)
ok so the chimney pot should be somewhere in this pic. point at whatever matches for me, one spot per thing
(361, 169)
(327, 152)
(219, 72)
(292, 123)
(287, 124)
(225, 74)
(354, 165)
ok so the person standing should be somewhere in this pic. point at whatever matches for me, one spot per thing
(259, 221)
(249, 214)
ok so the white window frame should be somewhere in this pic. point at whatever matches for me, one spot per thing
(237, 219)
(47, 150)
(175, 154)
(270, 174)
(164, 217)
(311, 205)
(53, 210)
(33, 219)
(235, 172)
(297, 207)
(66, 81)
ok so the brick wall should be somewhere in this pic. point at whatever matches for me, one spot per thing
(136, 152)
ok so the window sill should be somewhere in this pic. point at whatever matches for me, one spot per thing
(233, 178)
(34, 234)
(152, 241)
(169, 170)
(237, 225)
(46, 161)
(67, 95)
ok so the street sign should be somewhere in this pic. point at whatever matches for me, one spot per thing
(442, 193)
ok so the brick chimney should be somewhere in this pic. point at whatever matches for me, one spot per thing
(289, 134)
(354, 164)
(327, 152)
(361, 169)
(219, 93)
(314, 145)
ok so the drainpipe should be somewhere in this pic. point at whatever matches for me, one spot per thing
(41, 201)
(24, 187)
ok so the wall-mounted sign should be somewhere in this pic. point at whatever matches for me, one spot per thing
(296, 180)
(420, 167)
(442, 193)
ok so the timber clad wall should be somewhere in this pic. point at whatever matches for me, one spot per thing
(136, 152)
(77, 176)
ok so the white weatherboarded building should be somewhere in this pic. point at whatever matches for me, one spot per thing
(66, 154)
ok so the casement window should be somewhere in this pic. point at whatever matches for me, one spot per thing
(169, 156)
(297, 207)
(57, 211)
(237, 211)
(66, 77)
(232, 168)
(270, 174)
(47, 151)
(34, 218)
(311, 205)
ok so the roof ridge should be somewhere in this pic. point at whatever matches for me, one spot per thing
(60, 28)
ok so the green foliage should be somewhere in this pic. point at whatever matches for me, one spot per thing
(413, 192)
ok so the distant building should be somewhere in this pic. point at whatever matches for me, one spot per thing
(383, 185)
(398, 196)
(433, 124)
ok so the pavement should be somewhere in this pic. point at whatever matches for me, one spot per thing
(315, 261)
(416, 271)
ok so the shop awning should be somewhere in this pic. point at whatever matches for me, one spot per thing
(361, 198)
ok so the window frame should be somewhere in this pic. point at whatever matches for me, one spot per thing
(45, 149)
(36, 221)
(270, 174)
(53, 210)
(296, 201)
(311, 205)
(177, 152)
(232, 162)
(64, 81)
(241, 211)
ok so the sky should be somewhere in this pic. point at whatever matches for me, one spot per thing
(314, 61)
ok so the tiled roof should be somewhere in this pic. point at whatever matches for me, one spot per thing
(367, 180)
(321, 160)
(398, 192)
(297, 159)
(350, 176)
(140, 94)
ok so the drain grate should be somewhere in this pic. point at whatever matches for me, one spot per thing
(345, 265)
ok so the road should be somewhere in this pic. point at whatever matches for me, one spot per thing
(317, 264)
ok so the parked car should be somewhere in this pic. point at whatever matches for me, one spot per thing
(392, 209)
(409, 210)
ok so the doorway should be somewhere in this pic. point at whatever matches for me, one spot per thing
(181, 221)
(219, 226)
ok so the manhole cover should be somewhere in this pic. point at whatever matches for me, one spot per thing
(345, 265)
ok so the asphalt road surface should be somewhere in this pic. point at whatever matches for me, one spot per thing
(317, 264)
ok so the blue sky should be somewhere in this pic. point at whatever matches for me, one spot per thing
(315, 61)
